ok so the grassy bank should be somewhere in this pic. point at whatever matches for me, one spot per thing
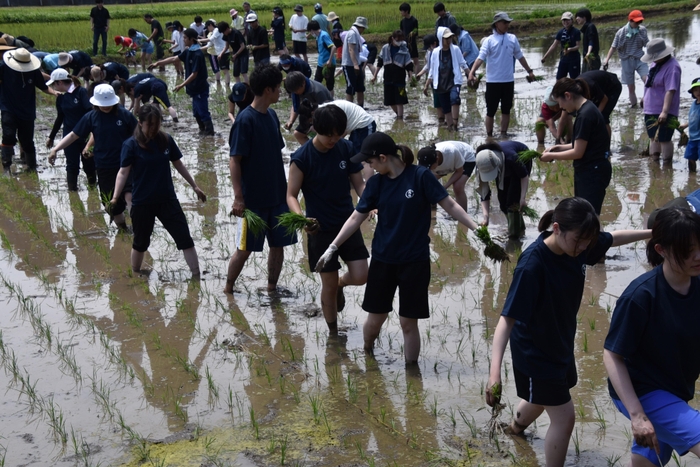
(62, 28)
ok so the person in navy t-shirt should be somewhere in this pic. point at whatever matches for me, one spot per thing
(652, 351)
(569, 38)
(257, 176)
(148, 155)
(403, 193)
(321, 169)
(195, 84)
(539, 319)
(149, 87)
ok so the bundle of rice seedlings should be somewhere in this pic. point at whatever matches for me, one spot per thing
(540, 126)
(526, 211)
(254, 223)
(493, 251)
(684, 139)
(293, 222)
(671, 122)
(414, 81)
(535, 78)
(493, 426)
(474, 85)
(526, 156)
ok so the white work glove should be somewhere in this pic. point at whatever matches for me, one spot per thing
(326, 257)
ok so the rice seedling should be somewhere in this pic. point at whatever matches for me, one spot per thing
(254, 223)
(293, 222)
(540, 126)
(535, 78)
(493, 426)
(526, 211)
(493, 251)
(527, 156)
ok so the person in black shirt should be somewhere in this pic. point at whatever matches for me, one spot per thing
(289, 64)
(258, 40)
(409, 27)
(20, 75)
(605, 90)
(78, 61)
(156, 36)
(99, 23)
(235, 43)
(590, 41)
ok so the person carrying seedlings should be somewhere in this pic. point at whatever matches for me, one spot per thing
(445, 18)
(288, 64)
(590, 149)
(590, 41)
(354, 73)
(539, 319)
(71, 105)
(216, 46)
(605, 90)
(629, 42)
(178, 42)
(499, 162)
(127, 47)
(258, 41)
(141, 91)
(156, 37)
(99, 24)
(569, 38)
(403, 193)
(692, 149)
(430, 43)
(258, 178)
(198, 26)
(450, 157)
(140, 41)
(20, 76)
(321, 169)
(550, 113)
(409, 27)
(498, 51)
(397, 62)
(147, 157)
(651, 350)
(466, 44)
(445, 76)
(298, 23)
(241, 97)
(302, 88)
(78, 62)
(235, 42)
(662, 98)
(110, 125)
(195, 84)
(325, 67)
(277, 27)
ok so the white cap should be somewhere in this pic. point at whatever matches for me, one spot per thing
(251, 18)
(104, 96)
(59, 74)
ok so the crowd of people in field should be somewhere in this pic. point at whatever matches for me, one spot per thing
(651, 353)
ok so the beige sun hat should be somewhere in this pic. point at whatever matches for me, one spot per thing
(22, 60)
(332, 16)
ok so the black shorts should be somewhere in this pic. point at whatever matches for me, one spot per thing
(549, 392)
(170, 215)
(372, 55)
(280, 44)
(353, 249)
(106, 181)
(299, 47)
(355, 80)
(413, 48)
(330, 76)
(305, 123)
(395, 95)
(160, 95)
(661, 133)
(499, 93)
(469, 168)
(412, 279)
(225, 62)
(591, 182)
(240, 64)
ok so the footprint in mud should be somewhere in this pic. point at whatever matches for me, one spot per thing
(310, 310)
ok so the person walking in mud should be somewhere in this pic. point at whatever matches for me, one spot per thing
(569, 38)
(321, 169)
(258, 178)
(99, 24)
(403, 193)
(498, 51)
(629, 42)
(539, 319)
(445, 76)
(590, 41)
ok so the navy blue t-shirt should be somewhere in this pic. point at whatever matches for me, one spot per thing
(80, 61)
(569, 38)
(146, 88)
(655, 329)
(404, 205)
(544, 299)
(115, 70)
(194, 63)
(71, 107)
(590, 126)
(139, 77)
(326, 189)
(150, 169)
(110, 130)
(18, 91)
(256, 137)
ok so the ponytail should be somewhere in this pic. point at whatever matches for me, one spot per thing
(677, 230)
(573, 215)
(150, 113)
(406, 154)
(576, 86)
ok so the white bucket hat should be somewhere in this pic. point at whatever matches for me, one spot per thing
(104, 96)
(59, 74)
(22, 60)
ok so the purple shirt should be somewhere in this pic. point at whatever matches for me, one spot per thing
(667, 79)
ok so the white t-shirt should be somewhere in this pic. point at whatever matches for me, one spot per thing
(500, 51)
(216, 39)
(199, 29)
(454, 155)
(298, 22)
(357, 116)
(179, 42)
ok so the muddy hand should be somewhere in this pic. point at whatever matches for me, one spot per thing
(643, 432)
(312, 228)
(493, 393)
(326, 257)
(237, 208)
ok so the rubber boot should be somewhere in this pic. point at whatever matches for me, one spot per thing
(200, 123)
(209, 128)
(72, 179)
(31, 161)
(8, 152)
(89, 169)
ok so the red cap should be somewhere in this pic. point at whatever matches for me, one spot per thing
(636, 16)
(118, 39)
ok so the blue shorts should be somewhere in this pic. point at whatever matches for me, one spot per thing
(677, 425)
(358, 135)
(630, 65)
(147, 48)
(276, 235)
(448, 99)
(692, 150)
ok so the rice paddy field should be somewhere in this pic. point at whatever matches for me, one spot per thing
(102, 366)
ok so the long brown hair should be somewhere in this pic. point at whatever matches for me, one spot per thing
(573, 86)
(150, 113)
(677, 230)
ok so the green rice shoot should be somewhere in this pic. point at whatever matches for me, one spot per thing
(527, 156)
(535, 78)
(530, 213)
(293, 222)
(254, 223)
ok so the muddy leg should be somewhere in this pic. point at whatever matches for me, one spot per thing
(556, 442)
(235, 266)
(192, 260)
(274, 267)
(329, 291)
(411, 339)
(370, 331)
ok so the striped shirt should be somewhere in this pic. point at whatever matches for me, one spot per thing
(633, 46)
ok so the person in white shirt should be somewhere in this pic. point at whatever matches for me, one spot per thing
(298, 23)
(198, 26)
(450, 157)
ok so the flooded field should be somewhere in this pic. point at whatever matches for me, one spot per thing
(105, 367)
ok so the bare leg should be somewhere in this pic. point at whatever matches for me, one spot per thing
(505, 122)
(348, 97)
(137, 260)
(235, 266)
(460, 193)
(488, 122)
(227, 79)
(667, 150)
(274, 267)
(301, 137)
(455, 115)
(192, 260)
(245, 77)
(173, 113)
(655, 150)
(361, 99)
(370, 331)
(632, 94)
(540, 132)
(399, 111)
(395, 109)
(329, 291)
(440, 115)
(306, 59)
(356, 275)
(411, 339)
(556, 442)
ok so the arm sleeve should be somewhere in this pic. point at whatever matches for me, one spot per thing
(517, 53)
(523, 293)
(59, 119)
(432, 188)
(127, 157)
(84, 126)
(602, 245)
(370, 197)
(627, 326)
(175, 153)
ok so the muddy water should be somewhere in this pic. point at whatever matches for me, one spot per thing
(105, 367)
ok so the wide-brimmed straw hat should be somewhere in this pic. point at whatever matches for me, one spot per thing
(104, 96)
(22, 60)
(656, 50)
(64, 58)
(360, 22)
(332, 16)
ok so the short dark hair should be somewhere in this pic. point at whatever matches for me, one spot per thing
(223, 26)
(99, 1)
(148, 15)
(330, 120)
(677, 230)
(265, 75)
(307, 108)
(131, 32)
(438, 7)
(456, 29)
(584, 13)
(285, 57)
(313, 25)
(210, 23)
(197, 19)
(405, 7)
(191, 33)
(294, 81)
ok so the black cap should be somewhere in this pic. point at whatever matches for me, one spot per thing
(427, 156)
(374, 145)
(169, 24)
(429, 40)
